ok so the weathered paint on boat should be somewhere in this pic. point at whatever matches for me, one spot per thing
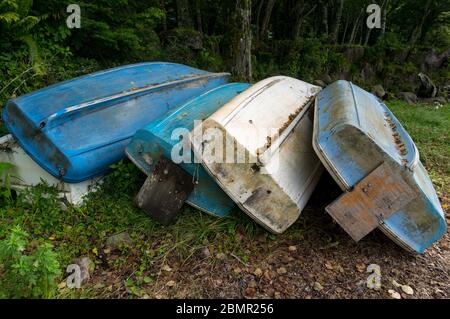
(28, 173)
(354, 133)
(156, 139)
(271, 189)
(78, 128)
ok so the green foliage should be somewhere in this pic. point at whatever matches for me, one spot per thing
(17, 24)
(5, 181)
(428, 127)
(125, 177)
(125, 31)
(27, 275)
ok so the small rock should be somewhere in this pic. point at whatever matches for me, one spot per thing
(394, 294)
(62, 285)
(87, 267)
(327, 79)
(119, 240)
(206, 253)
(379, 91)
(258, 272)
(408, 97)
(318, 286)
(440, 99)
(170, 283)
(292, 248)
(427, 88)
(320, 83)
(281, 270)
(270, 292)
(328, 266)
(407, 290)
(220, 256)
(250, 292)
(360, 267)
(252, 284)
(166, 268)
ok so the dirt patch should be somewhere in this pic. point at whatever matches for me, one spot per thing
(315, 258)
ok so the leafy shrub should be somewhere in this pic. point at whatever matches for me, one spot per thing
(24, 275)
(5, 181)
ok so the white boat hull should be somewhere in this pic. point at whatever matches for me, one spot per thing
(272, 124)
(29, 173)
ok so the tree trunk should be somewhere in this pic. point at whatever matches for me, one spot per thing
(338, 21)
(344, 35)
(266, 20)
(366, 41)
(162, 5)
(183, 17)
(355, 29)
(325, 18)
(258, 15)
(300, 19)
(418, 29)
(243, 56)
(198, 15)
(384, 18)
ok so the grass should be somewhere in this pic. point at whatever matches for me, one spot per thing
(429, 127)
(83, 231)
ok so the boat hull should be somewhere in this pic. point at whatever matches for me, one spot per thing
(354, 134)
(160, 138)
(28, 173)
(76, 129)
(269, 131)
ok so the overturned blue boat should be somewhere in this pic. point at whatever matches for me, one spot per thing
(76, 129)
(161, 138)
(375, 161)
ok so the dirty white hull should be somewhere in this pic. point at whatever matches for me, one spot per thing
(29, 173)
(271, 123)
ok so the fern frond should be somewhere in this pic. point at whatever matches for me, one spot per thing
(9, 17)
(9, 5)
(29, 22)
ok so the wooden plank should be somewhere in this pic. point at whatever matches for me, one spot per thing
(373, 199)
(165, 191)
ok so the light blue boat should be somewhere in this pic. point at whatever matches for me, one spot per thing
(76, 129)
(156, 139)
(354, 133)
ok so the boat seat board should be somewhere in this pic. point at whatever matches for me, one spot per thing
(375, 198)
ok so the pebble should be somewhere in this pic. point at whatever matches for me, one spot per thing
(258, 272)
(318, 286)
(281, 270)
(394, 294)
(407, 290)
